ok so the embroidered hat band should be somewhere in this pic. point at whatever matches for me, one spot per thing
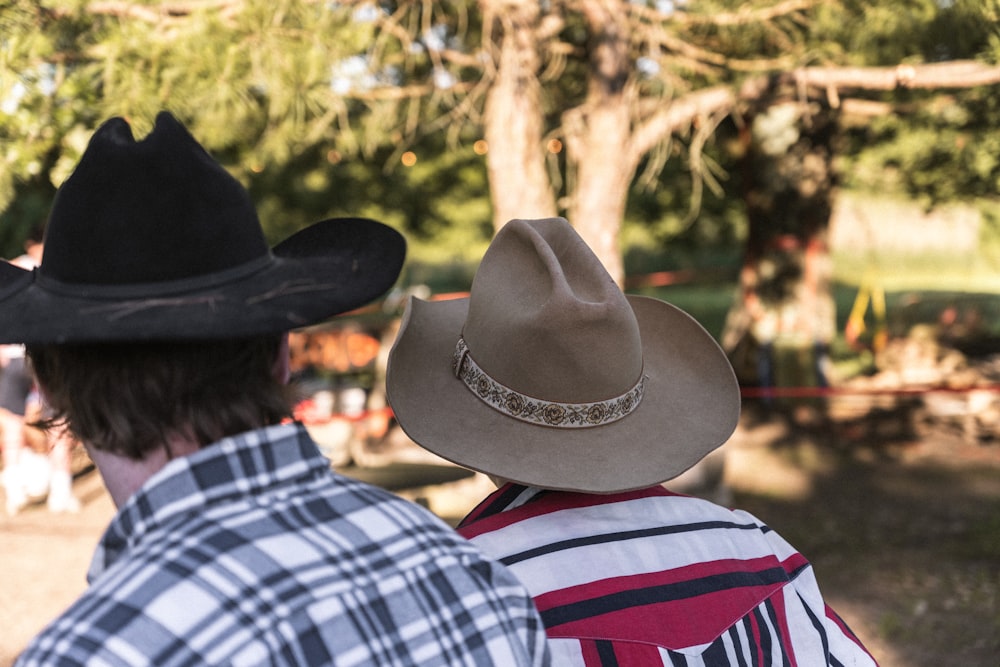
(536, 411)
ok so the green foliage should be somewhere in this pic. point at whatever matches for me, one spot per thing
(672, 223)
(282, 91)
(868, 33)
(27, 213)
(786, 35)
(946, 149)
(256, 85)
(939, 146)
(440, 203)
(989, 234)
(312, 103)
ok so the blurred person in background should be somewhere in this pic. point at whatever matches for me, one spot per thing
(580, 403)
(33, 467)
(157, 328)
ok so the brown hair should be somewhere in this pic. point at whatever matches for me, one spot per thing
(128, 398)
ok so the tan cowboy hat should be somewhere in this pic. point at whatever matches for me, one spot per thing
(549, 376)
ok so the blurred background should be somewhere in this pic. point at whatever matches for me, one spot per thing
(816, 181)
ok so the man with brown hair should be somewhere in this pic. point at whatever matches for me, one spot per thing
(156, 324)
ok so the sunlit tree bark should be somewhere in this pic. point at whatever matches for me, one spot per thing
(513, 120)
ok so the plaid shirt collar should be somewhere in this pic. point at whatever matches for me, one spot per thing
(238, 466)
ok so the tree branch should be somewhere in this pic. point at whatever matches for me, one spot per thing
(932, 76)
(157, 13)
(743, 16)
(388, 93)
(681, 112)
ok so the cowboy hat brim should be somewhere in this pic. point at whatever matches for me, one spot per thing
(691, 405)
(327, 268)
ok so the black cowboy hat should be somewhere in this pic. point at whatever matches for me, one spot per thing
(155, 240)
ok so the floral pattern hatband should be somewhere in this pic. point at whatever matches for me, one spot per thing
(536, 411)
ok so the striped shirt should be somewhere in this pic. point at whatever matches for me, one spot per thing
(253, 552)
(650, 577)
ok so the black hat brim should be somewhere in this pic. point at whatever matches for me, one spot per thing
(329, 268)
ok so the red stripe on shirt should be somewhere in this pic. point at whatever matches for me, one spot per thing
(634, 607)
(545, 504)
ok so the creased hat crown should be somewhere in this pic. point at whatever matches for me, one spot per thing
(147, 211)
(546, 318)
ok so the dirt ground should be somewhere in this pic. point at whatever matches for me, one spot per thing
(43, 562)
(901, 520)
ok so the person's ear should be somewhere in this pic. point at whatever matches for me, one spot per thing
(282, 369)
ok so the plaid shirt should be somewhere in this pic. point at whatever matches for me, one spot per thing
(653, 578)
(253, 552)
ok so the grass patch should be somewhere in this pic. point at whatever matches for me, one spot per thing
(707, 303)
(896, 272)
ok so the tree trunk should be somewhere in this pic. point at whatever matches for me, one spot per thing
(597, 205)
(519, 184)
(786, 302)
(598, 141)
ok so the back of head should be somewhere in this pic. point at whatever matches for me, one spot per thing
(130, 398)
